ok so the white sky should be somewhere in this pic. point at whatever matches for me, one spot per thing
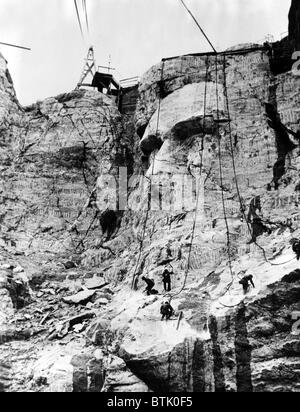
(136, 33)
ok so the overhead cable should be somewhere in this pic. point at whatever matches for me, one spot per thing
(78, 17)
(198, 25)
(86, 15)
(14, 45)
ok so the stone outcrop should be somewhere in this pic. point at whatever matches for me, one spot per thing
(49, 181)
(10, 109)
(73, 370)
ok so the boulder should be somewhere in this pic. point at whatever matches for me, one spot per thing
(62, 369)
(118, 378)
(63, 327)
(80, 298)
(95, 283)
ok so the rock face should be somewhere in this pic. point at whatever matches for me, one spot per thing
(216, 154)
(294, 24)
(254, 157)
(10, 109)
(53, 170)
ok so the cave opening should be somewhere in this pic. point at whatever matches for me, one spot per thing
(109, 222)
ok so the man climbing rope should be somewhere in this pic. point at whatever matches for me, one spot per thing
(296, 247)
(150, 285)
(245, 282)
(166, 278)
(166, 311)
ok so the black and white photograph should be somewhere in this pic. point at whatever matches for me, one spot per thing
(149, 199)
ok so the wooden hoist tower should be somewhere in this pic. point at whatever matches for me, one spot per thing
(92, 76)
(88, 69)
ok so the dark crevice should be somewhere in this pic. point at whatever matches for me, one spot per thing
(217, 356)
(242, 353)
(162, 89)
(284, 145)
(280, 54)
(141, 130)
(257, 225)
(150, 144)
(294, 25)
(198, 367)
(109, 222)
(80, 378)
(150, 372)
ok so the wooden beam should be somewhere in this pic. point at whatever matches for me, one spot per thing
(179, 319)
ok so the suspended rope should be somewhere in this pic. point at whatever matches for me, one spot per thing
(135, 274)
(79, 20)
(242, 206)
(222, 181)
(86, 15)
(198, 189)
(14, 45)
(198, 25)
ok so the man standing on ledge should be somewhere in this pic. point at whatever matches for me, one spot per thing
(166, 278)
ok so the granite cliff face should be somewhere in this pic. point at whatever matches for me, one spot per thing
(294, 25)
(215, 134)
(224, 335)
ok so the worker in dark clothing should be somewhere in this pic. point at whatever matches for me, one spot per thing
(150, 285)
(245, 282)
(166, 278)
(296, 247)
(255, 219)
(166, 311)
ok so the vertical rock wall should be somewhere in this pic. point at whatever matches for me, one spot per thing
(294, 24)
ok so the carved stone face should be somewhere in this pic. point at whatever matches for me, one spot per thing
(181, 140)
(188, 112)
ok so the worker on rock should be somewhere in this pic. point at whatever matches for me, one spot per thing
(166, 311)
(150, 285)
(166, 278)
(256, 220)
(246, 281)
(296, 247)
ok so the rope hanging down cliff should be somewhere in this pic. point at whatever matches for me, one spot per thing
(135, 274)
(222, 181)
(198, 189)
(242, 206)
